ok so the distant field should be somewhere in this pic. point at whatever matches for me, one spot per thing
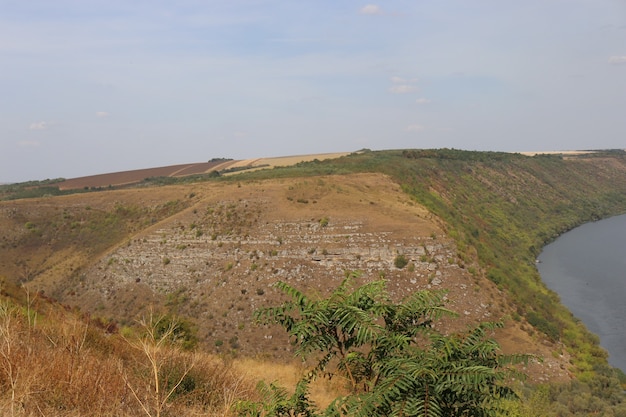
(227, 167)
(135, 176)
(556, 153)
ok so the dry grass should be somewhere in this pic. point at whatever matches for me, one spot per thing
(62, 365)
(322, 391)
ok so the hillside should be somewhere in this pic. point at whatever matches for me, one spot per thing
(470, 223)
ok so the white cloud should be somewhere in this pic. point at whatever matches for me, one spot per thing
(38, 126)
(402, 88)
(28, 143)
(371, 9)
(414, 128)
(422, 100)
(102, 114)
(402, 85)
(617, 60)
(400, 80)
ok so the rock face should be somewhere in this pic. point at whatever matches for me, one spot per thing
(217, 260)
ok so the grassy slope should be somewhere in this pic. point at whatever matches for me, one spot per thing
(53, 237)
(503, 208)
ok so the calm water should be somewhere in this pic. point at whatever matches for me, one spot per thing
(587, 268)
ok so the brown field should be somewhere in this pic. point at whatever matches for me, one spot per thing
(138, 175)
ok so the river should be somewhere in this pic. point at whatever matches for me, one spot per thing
(587, 268)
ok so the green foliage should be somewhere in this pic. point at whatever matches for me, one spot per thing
(32, 189)
(395, 361)
(543, 325)
(601, 395)
(277, 402)
(176, 330)
(400, 261)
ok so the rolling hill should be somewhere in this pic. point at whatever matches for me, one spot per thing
(209, 250)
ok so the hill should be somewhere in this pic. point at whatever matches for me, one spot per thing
(468, 222)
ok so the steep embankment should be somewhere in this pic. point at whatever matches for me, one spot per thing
(215, 254)
(504, 207)
(211, 250)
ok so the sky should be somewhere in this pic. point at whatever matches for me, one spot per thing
(90, 86)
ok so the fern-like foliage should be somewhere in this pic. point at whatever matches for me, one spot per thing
(277, 402)
(396, 363)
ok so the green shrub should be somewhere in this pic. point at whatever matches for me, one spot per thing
(401, 261)
(394, 361)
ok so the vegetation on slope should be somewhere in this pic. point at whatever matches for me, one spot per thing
(55, 362)
(41, 239)
(30, 189)
(501, 209)
(391, 356)
(505, 207)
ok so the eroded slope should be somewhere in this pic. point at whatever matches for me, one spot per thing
(215, 254)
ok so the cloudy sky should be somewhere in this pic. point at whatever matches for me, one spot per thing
(90, 86)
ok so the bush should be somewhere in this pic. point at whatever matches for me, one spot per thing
(394, 361)
(401, 261)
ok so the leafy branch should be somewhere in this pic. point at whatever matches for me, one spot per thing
(394, 361)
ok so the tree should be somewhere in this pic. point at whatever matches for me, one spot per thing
(394, 360)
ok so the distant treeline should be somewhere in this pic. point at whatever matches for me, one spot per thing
(30, 189)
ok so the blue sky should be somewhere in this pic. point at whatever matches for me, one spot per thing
(89, 86)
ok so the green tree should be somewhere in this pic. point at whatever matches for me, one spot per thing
(394, 360)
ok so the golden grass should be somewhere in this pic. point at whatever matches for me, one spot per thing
(282, 161)
(60, 364)
(322, 391)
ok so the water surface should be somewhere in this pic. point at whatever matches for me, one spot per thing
(587, 268)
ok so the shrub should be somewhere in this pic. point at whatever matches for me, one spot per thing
(401, 261)
(395, 362)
